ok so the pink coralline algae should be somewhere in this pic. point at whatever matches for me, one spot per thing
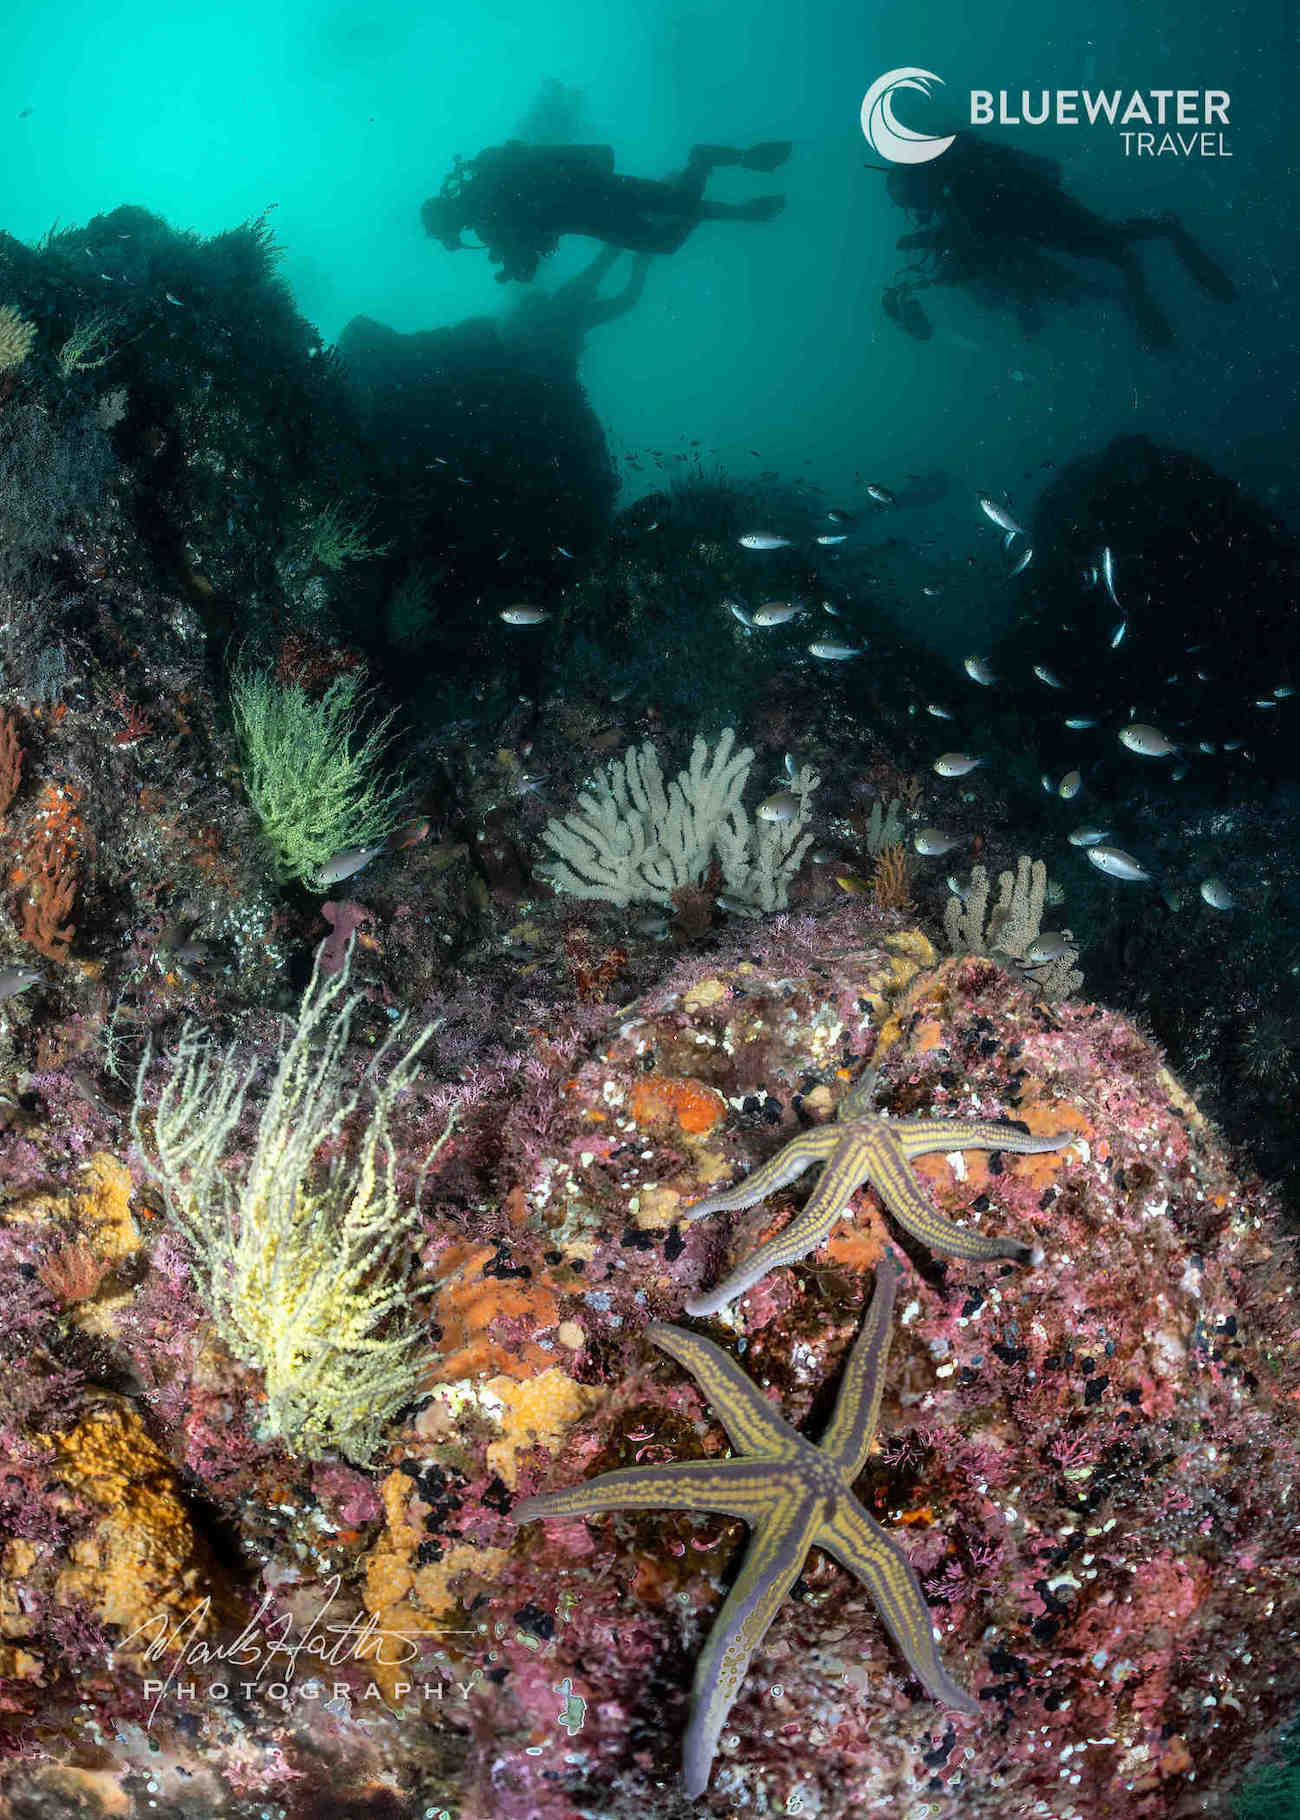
(1089, 1460)
(1090, 1457)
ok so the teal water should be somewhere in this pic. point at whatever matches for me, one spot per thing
(766, 345)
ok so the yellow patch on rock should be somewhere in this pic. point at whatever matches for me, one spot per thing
(704, 993)
(103, 1206)
(144, 1559)
(536, 1412)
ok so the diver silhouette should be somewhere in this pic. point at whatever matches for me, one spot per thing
(547, 330)
(996, 214)
(520, 199)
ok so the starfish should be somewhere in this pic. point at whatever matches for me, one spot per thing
(794, 1496)
(860, 1146)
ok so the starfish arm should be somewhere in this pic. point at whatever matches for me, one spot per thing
(861, 1545)
(857, 1407)
(772, 1563)
(893, 1181)
(920, 1137)
(753, 1424)
(810, 1227)
(858, 1101)
(733, 1488)
(785, 1167)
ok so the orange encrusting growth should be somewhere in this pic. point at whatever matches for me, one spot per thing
(660, 1098)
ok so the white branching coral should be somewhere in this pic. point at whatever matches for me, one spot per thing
(304, 1269)
(633, 841)
(1013, 934)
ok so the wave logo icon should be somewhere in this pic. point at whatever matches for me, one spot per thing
(899, 144)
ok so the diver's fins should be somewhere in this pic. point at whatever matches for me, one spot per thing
(1208, 274)
(762, 208)
(768, 156)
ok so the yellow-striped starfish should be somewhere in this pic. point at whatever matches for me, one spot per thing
(860, 1146)
(794, 1496)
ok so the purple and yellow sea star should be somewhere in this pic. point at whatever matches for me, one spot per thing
(861, 1146)
(794, 1496)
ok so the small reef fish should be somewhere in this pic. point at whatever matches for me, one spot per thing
(763, 540)
(521, 614)
(1050, 946)
(837, 538)
(350, 860)
(840, 518)
(1049, 677)
(781, 806)
(980, 670)
(1147, 742)
(1117, 636)
(933, 841)
(881, 495)
(1070, 786)
(955, 764)
(14, 980)
(1001, 517)
(1078, 721)
(741, 613)
(853, 884)
(777, 612)
(830, 652)
(932, 707)
(932, 593)
(1116, 863)
(1108, 574)
(1217, 894)
(1023, 564)
(1086, 836)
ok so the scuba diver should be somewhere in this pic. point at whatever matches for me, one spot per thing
(995, 214)
(519, 199)
(546, 330)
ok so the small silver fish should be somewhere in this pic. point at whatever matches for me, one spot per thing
(1047, 676)
(559, 546)
(980, 670)
(1078, 721)
(1283, 690)
(831, 652)
(1023, 563)
(781, 806)
(932, 707)
(350, 860)
(1108, 574)
(840, 518)
(838, 539)
(957, 888)
(735, 906)
(1265, 701)
(18, 978)
(881, 495)
(1090, 577)
(1001, 517)
(777, 612)
(1217, 894)
(1232, 745)
(763, 540)
(1070, 786)
(1050, 946)
(828, 606)
(1147, 742)
(1118, 864)
(955, 764)
(932, 593)
(1207, 747)
(521, 614)
(739, 612)
(933, 841)
(1117, 636)
(1086, 836)
(1049, 787)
